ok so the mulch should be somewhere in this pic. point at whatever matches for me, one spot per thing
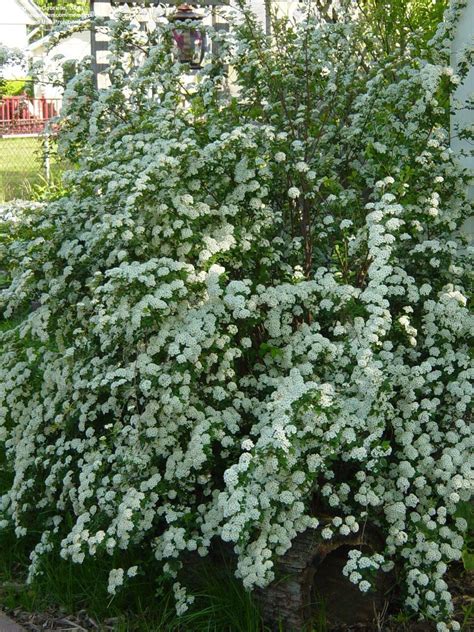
(60, 621)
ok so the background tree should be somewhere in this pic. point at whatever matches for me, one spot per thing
(394, 23)
(64, 10)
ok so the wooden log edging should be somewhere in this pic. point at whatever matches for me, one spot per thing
(287, 603)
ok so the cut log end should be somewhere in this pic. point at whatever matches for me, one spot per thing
(310, 573)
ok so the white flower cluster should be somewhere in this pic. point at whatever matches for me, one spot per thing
(237, 312)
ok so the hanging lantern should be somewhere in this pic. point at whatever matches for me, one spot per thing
(189, 42)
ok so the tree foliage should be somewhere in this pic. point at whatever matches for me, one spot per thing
(64, 10)
(398, 22)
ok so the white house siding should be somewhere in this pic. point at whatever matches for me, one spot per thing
(13, 24)
(463, 117)
(73, 48)
(261, 8)
(13, 33)
(13, 36)
(15, 18)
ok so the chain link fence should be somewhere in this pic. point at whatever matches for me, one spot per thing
(24, 166)
(26, 126)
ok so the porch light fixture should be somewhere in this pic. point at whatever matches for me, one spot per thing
(189, 42)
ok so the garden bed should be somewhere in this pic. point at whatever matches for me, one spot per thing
(461, 584)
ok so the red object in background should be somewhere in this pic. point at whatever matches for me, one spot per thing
(26, 115)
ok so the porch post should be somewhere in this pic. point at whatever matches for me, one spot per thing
(99, 44)
(461, 116)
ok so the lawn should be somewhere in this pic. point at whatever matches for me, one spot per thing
(21, 166)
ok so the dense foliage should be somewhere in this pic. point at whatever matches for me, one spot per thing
(15, 87)
(396, 23)
(248, 313)
(59, 10)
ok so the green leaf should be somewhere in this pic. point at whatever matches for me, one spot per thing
(266, 349)
(468, 560)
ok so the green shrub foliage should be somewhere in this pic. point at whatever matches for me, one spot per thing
(250, 303)
(15, 87)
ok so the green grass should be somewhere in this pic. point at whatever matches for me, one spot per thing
(21, 167)
(221, 605)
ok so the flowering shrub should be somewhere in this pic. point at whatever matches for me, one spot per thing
(249, 304)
